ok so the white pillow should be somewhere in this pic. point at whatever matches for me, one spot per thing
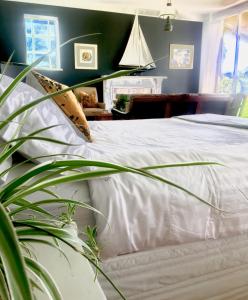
(43, 115)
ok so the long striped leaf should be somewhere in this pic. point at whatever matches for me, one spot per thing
(6, 154)
(4, 291)
(25, 204)
(31, 240)
(37, 204)
(56, 173)
(59, 164)
(7, 65)
(31, 160)
(82, 253)
(64, 179)
(45, 278)
(94, 174)
(11, 257)
(41, 138)
(10, 187)
(37, 228)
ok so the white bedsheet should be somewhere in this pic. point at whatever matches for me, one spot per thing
(144, 214)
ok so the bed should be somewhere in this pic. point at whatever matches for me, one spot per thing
(157, 241)
(174, 248)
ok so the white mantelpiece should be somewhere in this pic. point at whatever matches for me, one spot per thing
(130, 85)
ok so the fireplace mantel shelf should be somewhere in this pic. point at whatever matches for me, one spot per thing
(131, 85)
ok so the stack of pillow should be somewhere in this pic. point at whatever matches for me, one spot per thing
(63, 110)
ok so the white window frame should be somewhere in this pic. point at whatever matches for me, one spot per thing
(57, 51)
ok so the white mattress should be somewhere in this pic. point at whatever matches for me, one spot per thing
(213, 270)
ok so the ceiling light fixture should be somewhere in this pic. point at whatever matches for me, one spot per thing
(168, 14)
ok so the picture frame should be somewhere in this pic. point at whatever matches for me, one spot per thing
(85, 56)
(181, 57)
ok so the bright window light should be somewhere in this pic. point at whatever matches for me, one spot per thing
(42, 36)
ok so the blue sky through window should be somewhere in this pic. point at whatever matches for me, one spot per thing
(41, 37)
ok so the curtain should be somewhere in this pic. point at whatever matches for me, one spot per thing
(211, 43)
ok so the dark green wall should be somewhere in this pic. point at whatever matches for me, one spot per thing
(115, 29)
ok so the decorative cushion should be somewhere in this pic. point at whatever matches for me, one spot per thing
(87, 100)
(67, 102)
(87, 96)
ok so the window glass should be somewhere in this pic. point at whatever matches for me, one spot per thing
(42, 36)
(228, 56)
(243, 55)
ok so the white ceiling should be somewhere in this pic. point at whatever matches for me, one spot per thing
(187, 9)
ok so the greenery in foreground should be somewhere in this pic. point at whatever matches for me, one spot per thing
(18, 234)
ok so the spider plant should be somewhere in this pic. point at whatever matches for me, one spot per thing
(18, 234)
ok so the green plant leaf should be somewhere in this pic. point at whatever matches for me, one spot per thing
(43, 231)
(6, 65)
(4, 291)
(40, 138)
(45, 278)
(31, 160)
(25, 204)
(93, 174)
(179, 165)
(46, 229)
(8, 152)
(37, 204)
(12, 260)
(46, 242)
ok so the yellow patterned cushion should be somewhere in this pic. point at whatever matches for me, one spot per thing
(67, 102)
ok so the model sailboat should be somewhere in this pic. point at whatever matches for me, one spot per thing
(137, 53)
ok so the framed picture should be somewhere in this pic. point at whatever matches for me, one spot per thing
(85, 56)
(181, 56)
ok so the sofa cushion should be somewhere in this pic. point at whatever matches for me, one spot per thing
(87, 96)
(87, 100)
(67, 102)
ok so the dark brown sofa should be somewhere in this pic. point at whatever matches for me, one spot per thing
(168, 105)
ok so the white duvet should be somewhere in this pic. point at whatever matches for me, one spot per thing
(144, 214)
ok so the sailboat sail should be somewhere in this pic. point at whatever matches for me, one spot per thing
(137, 53)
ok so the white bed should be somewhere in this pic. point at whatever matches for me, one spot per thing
(144, 214)
(197, 252)
(159, 242)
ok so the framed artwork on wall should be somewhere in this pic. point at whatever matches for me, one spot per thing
(85, 56)
(181, 56)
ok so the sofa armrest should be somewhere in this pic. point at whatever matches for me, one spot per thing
(101, 105)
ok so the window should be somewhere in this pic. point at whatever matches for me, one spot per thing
(233, 63)
(42, 36)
